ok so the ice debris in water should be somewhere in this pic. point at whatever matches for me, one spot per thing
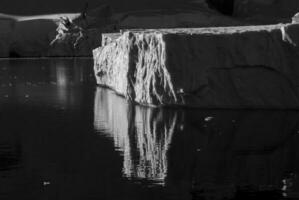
(207, 119)
(45, 183)
(181, 127)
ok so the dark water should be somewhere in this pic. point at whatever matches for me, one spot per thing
(63, 138)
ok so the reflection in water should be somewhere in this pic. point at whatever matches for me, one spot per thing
(142, 135)
(61, 80)
(9, 156)
(27, 80)
(61, 74)
(204, 154)
(112, 117)
(153, 135)
(47, 152)
(235, 154)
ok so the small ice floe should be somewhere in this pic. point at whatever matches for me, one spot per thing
(233, 121)
(45, 183)
(284, 187)
(207, 119)
(288, 183)
(181, 127)
(181, 91)
(6, 96)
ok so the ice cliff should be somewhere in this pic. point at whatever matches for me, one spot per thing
(232, 67)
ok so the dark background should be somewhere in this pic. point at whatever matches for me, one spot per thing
(30, 7)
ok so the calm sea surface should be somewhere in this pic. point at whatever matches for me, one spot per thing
(63, 138)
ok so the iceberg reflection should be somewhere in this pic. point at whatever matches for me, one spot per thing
(203, 154)
(142, 134)
(154, 133)
(236, 154)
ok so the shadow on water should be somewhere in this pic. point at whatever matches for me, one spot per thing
(195, 154)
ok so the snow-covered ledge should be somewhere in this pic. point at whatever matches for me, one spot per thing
(225, 67)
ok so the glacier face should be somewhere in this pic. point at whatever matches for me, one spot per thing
(228, 67)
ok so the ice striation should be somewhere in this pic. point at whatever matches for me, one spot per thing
(225, 67)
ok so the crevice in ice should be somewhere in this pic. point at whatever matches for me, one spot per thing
(286, 37)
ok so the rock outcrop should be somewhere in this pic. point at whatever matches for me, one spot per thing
(232, 67)
(223, 6)
(54, 35)
(6, 31)
(175, 18)
(80, 36)
(30, 38)
(72, 40)
(257, 11)
(266, 11)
